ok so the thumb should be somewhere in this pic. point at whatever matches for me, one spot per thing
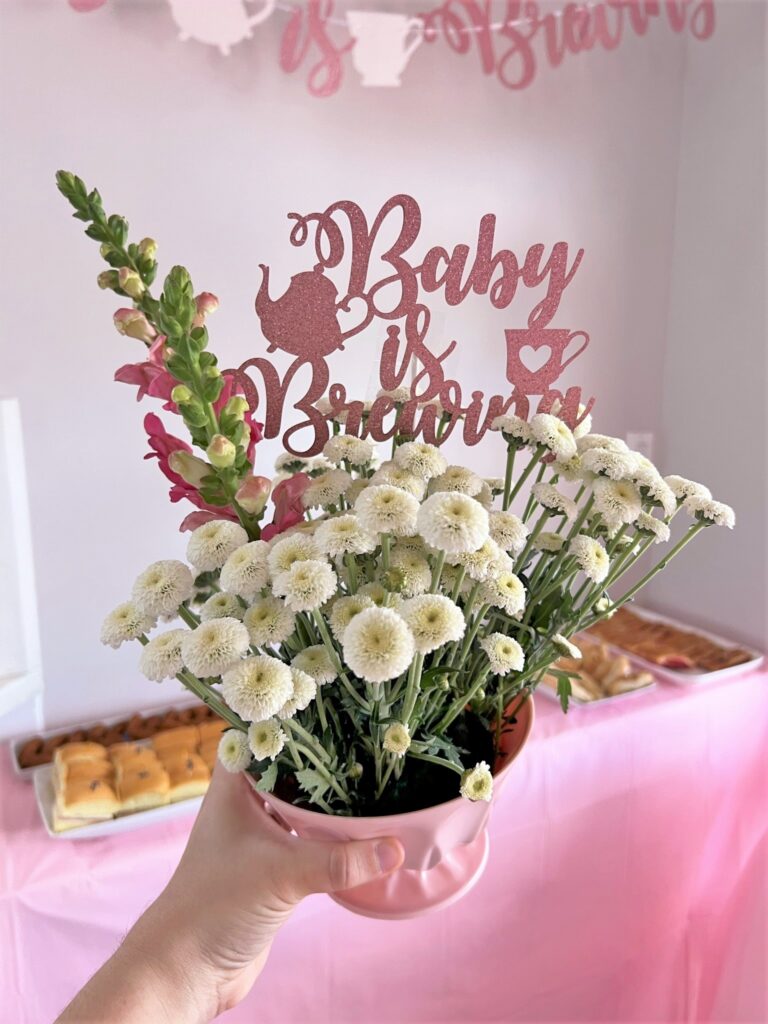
(332, 867)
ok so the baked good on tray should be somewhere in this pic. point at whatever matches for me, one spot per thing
(90, 799)
(599, 673)
(666, 645)
(141, 787)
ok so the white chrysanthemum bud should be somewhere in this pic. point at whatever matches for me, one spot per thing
(548, 541)
(304, 692)
(387, 509)
(458, 479)
(410, 570)
(214, 646)
(423, 460)
(327, 488)
(396, 476)
(287, 461)
(355, 451)
(234, 752)
(306, 585)
(606, 462)
(617, 501)
(162, 587)
(398, 395)
(126, 622)
(266, 739)
(245, 572)
(316, 662)
(515, 429)
(211, 544)
(682, 488)
(268, 621)
(553, 434)
(344, 609)
(591, 557)
(714, 513)
(504, 653)
(219, 606)
(477, 783)
(434, 620)
(378, 645)
(655, 490)
(298, 547)
(453, 522)
(257, 687)
(509, 531)
(653, 527)
(397, 739)
(565, 647)
(550, 498)
(504, 590)
(589, 441)
(481, 563)
(161, 658)
(344, 535)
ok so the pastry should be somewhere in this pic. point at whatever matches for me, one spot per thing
(87, 770)
(141, 788)
(94, 799)
(209, 751)
(212, 730)
(83, 751)
(599, 673)
(185, 738)
(32, 753)
(189, 776)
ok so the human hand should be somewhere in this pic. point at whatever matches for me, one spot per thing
(199, 948)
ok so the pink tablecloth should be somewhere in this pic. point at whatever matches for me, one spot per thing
(626, 882)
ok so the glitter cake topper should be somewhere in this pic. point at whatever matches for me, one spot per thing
(304, 323)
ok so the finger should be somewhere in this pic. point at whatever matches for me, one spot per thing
(317, 866)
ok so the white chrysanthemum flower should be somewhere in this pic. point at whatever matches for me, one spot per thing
(378, 645)
(449, 579)
(397, 739)
(304, 692)
(162, 587)
(477, 783)
(617, 501)
(211, 544)
(504, 653)
(421, 459)
(548, 541)
(605, 462)
(553, 434)
(591, 557)
(245, 572)
(307, 585)
(355, 489)
(161, 658)
(344, 609)
(397, 476)
(126, 622)
(356, 451)
(557, 504)
(481, 563)
(268, 621)
(569, 469)
(257, 687)
(234, 752)
(458, 479)
(327, 488)
(505, 591)
(485, 496)
(453, 522)
(514, 428)
(379, 595)
(324, 406)
(715, 513)
(409, 571)
(316, 662)
(564, 646)
(611, 444)
(585, 421)
(654, 489)
(387, 509)
(219, 606)
(297, 547)
(434, 620)
(682, 488)
(214, 646)
(289, 461)
(602, 605)
(652, 526)
(398, 395)
(509, 531)
(266, 739)
(343, 535)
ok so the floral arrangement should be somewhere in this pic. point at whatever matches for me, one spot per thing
(371, 643)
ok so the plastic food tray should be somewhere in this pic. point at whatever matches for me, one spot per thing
(550, 694)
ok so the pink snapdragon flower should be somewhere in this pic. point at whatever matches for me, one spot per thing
(289, 508)
(151, 376)
(205, 303)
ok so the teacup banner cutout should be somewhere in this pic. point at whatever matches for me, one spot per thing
(304, 322)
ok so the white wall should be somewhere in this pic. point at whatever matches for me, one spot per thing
(208, 154)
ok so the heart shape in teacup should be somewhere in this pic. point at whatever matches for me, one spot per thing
(534, 357)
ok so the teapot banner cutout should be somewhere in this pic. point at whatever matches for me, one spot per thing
(311, 321)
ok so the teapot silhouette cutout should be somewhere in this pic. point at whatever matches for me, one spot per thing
(303, 321)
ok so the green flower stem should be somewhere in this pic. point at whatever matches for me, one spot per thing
(529, 505)
(412, 688)
(511, 453)
(320, 767)
(437, 572)
(189, 617)
(331, 648)
(209, 696)
(538, 452)
(349, 561)
(459, 583)
(472, 632)
(385, 551)
(460, 703)
(540, 522)
(441, 761)
(297, 762)
(393, 759)
(577, 499)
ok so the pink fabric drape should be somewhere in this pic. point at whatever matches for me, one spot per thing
(626, 882)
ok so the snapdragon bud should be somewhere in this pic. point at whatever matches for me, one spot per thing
(181, 394)
(107, 279)
(205, 303)
(221, 452)
(253, 493)
(104, 250)
(212, 373)
(189, 467)
(236, 407)
(148, 248)
(130, 282)
(134, 324)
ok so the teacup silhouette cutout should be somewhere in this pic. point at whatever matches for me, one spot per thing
(538, 373)
(381, 52)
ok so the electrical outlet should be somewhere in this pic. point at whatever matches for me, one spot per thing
(642, 442)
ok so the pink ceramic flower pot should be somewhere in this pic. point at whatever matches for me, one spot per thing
(446, 846)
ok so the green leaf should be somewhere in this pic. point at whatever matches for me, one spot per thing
(563, 690)
(312, 782)
(268, 779)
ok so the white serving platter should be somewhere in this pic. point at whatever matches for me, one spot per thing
(28, 773)
(689, 676)
(44, 793)
(550, 694)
